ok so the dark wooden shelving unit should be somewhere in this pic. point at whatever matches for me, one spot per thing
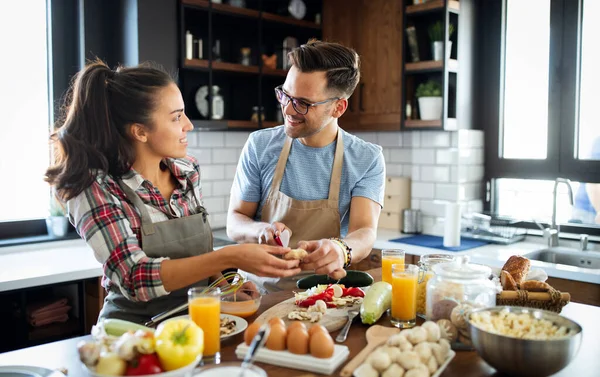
(433, 6)
(424, 124)
(431, 66)
(246, 88)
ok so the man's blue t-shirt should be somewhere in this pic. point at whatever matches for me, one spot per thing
(308, 171)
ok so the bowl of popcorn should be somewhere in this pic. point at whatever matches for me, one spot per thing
(522, 341)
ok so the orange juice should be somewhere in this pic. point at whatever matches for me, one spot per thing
(386, 266)
(404, 297)
(206, 313)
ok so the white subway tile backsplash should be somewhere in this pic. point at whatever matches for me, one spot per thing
(447, 156)
(222, 188)
(192, 138)
(440, 139)
(211, 139)
(470, 139)
(435, 173)
(401, 156)
(386, 154)
(415, 172)
(449, 191)
(422, 190)
(475, 205)
(415, 204)
(475, 173)
(434, 208)
(454, 139)
(230, 170)
(423, 156)
(236, 139)
(212, 172)
(412, 139)
(389, 139)
(206, 188)
(204, 156)
(472, 191)
(218, 220)
(393, 170)
(471, 156)
(459, 174)
(226, 156)
(371, 137)
(215, 204)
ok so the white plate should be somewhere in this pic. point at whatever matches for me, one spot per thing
(240, 323)
(22, 370)
(201, 101)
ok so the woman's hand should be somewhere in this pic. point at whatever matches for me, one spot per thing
(248, 291)
(268, 233)
(261, 260)
(325, 257)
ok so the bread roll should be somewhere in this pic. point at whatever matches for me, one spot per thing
(507, 281)
(535, 286)
(517, 267)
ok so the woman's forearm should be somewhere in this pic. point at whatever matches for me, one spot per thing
(180, 273)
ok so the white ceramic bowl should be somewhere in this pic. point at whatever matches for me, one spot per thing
(229, 369)
(186, 371)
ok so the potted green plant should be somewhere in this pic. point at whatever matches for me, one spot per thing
(436, 35)
(57, 223)
(429, 95)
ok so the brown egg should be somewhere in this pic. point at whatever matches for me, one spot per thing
(297, 341)
(250, 332)
(296, 325)
(277, 338)
(321, 345)
(276, 321)
(316, 328)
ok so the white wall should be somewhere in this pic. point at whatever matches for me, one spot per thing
(443, 166)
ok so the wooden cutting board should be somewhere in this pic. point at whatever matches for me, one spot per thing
(333, 320)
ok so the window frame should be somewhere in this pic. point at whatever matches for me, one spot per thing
(566, 18)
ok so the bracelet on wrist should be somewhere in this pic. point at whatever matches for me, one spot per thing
(347, 249)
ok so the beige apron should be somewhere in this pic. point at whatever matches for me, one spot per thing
(308, 219)
(174, 238)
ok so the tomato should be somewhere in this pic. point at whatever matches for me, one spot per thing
(144, 364)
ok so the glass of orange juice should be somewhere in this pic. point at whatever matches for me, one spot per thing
(404, 295)
(388, 258)
(205, 311)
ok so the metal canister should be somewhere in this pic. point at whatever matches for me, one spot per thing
(412, 223)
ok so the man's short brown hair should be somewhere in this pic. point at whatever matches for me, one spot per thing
(341, 63)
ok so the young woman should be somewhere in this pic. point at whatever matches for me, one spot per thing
(135, 196)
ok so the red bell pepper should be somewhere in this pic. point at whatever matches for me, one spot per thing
(353, 291)
(143, 365)
(326, 295)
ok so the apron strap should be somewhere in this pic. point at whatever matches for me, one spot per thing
(336, 171)
(147, 225)
(280, 168)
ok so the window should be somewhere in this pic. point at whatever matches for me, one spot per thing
(24, 151)
(539, 95)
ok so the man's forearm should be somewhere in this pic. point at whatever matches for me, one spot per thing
(361, 242)
(243, 229)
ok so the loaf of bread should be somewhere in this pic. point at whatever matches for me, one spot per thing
(507, 281)
(535, 286)
(517, 267)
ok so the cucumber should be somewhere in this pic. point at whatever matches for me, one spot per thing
(118, 327)
(377, 300)
(352, 279)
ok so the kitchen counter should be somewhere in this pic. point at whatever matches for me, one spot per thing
(63, 354)
(62, 261)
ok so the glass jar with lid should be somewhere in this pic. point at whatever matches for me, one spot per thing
(455, 289)
(426, 263)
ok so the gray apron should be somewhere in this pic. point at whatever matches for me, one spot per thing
(174, 238)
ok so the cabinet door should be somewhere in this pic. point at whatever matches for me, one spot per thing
(380, 48)
(341, 25)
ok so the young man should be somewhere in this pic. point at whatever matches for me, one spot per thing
(309, 176)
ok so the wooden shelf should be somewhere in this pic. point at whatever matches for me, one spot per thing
(274, 72)
(270, 124)
(242, 124)
(418, 123)
(432, 6)
(431, 66)
(220, 66)
(245, 12)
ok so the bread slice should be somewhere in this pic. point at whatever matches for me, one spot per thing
(535, 286)
(507, 281)
(517, 267)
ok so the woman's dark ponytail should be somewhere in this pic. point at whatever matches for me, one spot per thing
(92, 136)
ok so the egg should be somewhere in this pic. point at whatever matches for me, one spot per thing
(296, 325)
(276, 321)
(297, 341)
(277, 338)
(250, 332)
(316, 328)
(321, 345)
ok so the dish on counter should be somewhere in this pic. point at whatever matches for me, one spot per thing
(226, 319)
(28, 371)
(240, 303)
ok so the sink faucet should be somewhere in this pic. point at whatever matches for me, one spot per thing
(553, 231)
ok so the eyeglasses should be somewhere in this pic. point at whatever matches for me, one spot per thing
(299, 105)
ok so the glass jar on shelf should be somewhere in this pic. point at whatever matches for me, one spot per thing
(454, 290)
(426, 263)
(256, 114)
(217, 104)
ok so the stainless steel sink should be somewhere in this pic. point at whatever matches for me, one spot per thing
(567, 256)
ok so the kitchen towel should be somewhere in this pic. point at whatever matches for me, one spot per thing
(452, 225)
(436, 242)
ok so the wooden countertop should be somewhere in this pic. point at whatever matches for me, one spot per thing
(63, 354)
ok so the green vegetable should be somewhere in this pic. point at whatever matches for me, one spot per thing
(118, 327)
(377, 300)
(352, 279)
(430, 88)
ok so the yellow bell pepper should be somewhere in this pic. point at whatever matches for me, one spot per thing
(178, 343)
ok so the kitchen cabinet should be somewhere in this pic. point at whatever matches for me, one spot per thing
(374, 29)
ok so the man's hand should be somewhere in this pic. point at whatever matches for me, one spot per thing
(268, 233)
(261, 261)
(325, 257)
